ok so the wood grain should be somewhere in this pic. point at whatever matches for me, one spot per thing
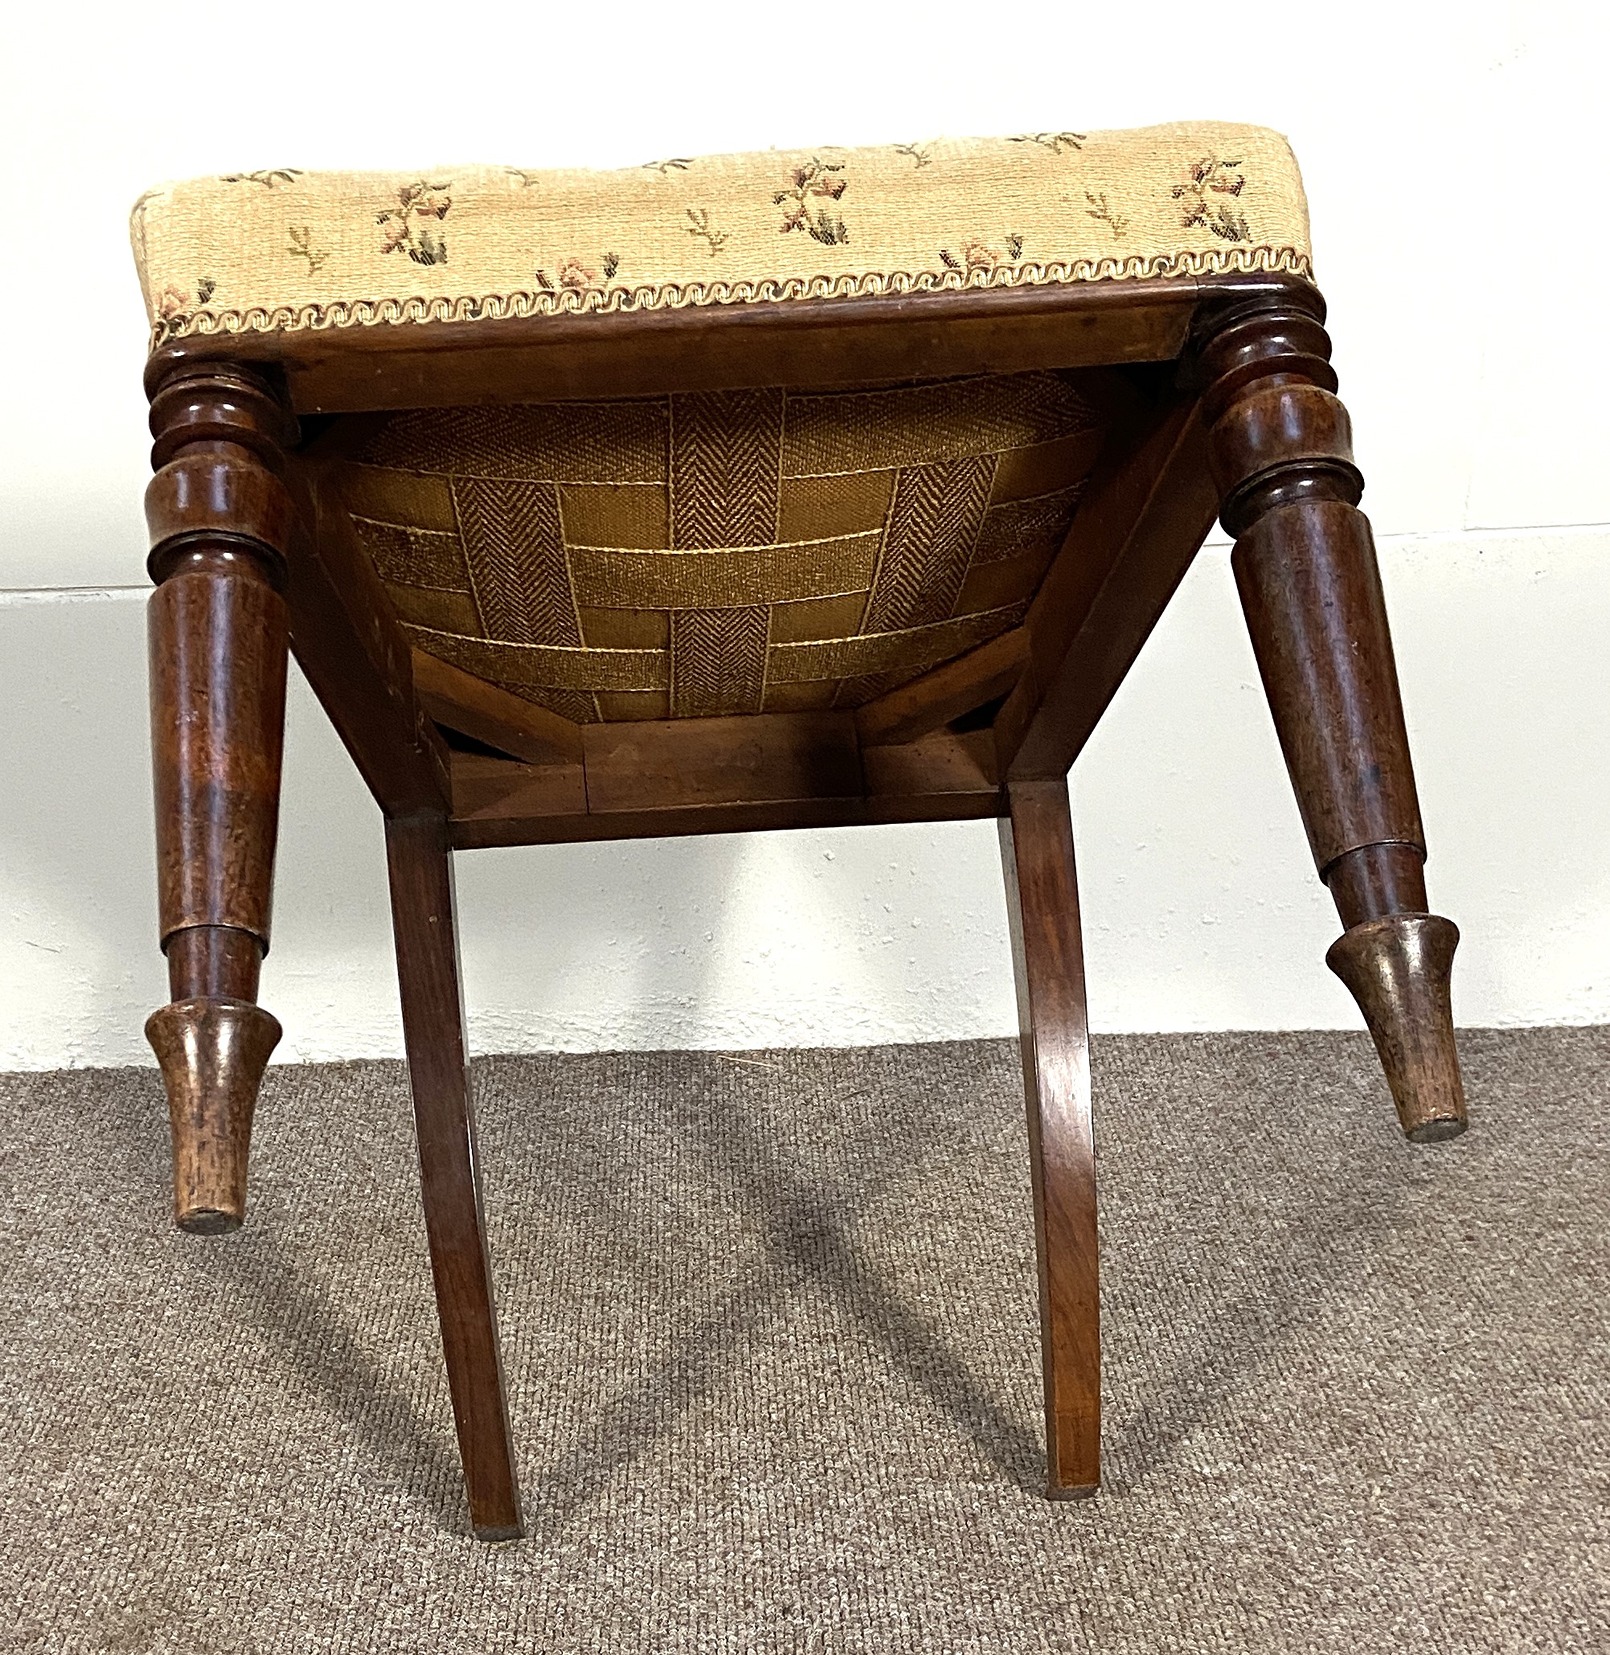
(718, 347)
(220, 521)
(1144, 517)
(1220, 397)
(1310, 586)
(929, 703)
(426, 927)
(491, 715)
(670, 778)
(1043, 910)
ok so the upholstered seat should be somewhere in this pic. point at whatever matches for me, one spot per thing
(727, 552)
(284, 248)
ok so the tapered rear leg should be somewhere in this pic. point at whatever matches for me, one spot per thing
(1310, 587)
(1042, 900)
(220, 520)
(426, 929)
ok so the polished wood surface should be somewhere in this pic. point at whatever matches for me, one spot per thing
(348, 642)
(1042, 899)
(721, 775)
(212, 1051)
(714, 347)
(1304, 560)
(426, 928)
(220, 519)
(1399, 968)
(475, 708)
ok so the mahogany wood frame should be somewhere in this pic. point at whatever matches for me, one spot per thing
(1221, 402)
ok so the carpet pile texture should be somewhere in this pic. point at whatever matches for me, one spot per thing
(770, 1329)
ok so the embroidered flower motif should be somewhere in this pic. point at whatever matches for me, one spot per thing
(278, 175)
(922, 154)
(1056, 142)
(301, 246)
(405, 226)
(677, 163)
(1211, 176)
(576, 276)
(1098, 209)
(700, 225)
(175, 307)
(816, 180)
(978, 255)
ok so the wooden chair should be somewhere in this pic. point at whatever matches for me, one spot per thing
(753, 492)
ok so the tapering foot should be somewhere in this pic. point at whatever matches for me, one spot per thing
(1398, 968)
(212, 1053)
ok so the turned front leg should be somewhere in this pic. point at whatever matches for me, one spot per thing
(1305, 565)
(220, 520)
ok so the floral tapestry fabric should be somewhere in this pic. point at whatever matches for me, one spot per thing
(287, 248)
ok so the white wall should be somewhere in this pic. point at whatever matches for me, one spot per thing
(1459, 233)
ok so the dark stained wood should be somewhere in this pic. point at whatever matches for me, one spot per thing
(929, 703)
(1305, 566)
(674, 764)
(920, 771)
(486, 788)
(212, 1052)
(1399, 968)
(476, 708)
(505, 822)
(348, 642)
(220, 521)
(1388, 878)
(214, 962)
(1311, 592)
(218, 636)
(816, 342)
(426, 927)
(1043, 908)
(721, 775)
(1143, 519)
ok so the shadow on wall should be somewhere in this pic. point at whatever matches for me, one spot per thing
(80, 969)
(834, 937)
(827, 937)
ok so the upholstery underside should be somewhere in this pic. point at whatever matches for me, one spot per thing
(722, 552)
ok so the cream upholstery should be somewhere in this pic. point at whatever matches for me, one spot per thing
(284, 248)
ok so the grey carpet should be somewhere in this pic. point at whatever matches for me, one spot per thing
(770, 1330)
